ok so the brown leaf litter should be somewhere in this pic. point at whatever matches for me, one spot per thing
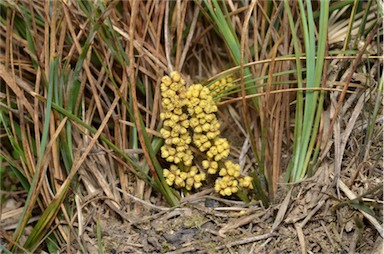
(301, 220)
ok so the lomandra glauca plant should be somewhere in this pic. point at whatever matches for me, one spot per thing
(197, 154)
(308, 111)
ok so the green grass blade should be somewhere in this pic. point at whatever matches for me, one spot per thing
(376, 110)
(321, 50)
(225, 29)
(33, 192)
(16, 170)
(3, 248)
(310, 96)
(299, 103)
(307, 121)
(46, 219)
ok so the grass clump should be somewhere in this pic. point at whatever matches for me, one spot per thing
(88, 126)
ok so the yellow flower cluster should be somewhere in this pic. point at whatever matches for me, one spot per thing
(219, 150)
(202, 109)
(192, 178)
(246, 182)
(192, 111)
(230, 180)
(221, 85)
(176, 123)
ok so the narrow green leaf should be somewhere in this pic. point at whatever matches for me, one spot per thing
(32, 193)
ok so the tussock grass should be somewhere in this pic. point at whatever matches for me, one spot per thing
(80, 98)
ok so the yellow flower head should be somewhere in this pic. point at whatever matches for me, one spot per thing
(220, 86)
(197, 185)
(167, 81)
(179, 182)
